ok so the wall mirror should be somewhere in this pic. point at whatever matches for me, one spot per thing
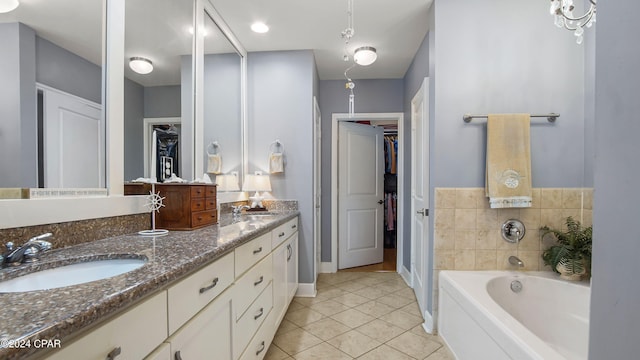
(52, 132)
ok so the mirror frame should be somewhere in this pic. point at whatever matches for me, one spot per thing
(19, 213)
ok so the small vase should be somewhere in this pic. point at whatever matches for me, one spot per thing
(567, 274)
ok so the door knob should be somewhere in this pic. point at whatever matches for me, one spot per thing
(423, 212)
(380, 201)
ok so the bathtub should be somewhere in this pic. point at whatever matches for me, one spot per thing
(481, 317)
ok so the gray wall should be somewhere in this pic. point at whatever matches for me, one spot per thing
(18, 123)
(371, 96)
(418, 70)
(162, 101)
(615, 290)
(66, 71)
(280, 106)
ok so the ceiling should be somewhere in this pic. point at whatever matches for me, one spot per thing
(158, 30)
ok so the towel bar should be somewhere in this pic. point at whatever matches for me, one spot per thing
(551, 117)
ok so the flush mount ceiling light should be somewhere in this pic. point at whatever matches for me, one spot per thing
(8, 5)
(562, 10)
(365, 55)
(259, 27)
(141, 65)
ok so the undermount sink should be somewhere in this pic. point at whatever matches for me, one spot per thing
(74, 274)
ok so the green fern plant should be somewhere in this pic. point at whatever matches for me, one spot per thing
(573, 248)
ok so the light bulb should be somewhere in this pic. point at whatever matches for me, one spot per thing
(579, 31)
(579, 39)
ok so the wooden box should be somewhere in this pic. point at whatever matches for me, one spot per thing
(186, 206)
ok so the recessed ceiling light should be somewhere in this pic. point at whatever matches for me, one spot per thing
(259, 27)
(141, 65)
(8, 5)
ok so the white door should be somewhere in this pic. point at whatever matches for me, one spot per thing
(317, 185)
(360, 195)
(74, 144)
(420, 195)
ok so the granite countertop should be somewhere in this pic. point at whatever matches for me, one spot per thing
(57, 314)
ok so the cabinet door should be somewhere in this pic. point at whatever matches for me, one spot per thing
(207, 335)
(292, 267)
(280, 281)
(131, 335)
(163, 352)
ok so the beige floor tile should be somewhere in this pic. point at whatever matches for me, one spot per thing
(394, 300)
(351, 286)
(442, 354)
(391, 286)
(327, 328)
(296, 341)
(286, 326)
(308, 301)
(371, 293)
(412, 309)
(380, 330)
(374, 308)
(303, 316)
(295, 306)
(350, 299)
(402, 320)
(352, 318)
(322, 352)
(330, 293)
(419, 330)
(414, 345)
(275, 353)
(354, 343)
(407, 292)
(329, 307)
(385, 352)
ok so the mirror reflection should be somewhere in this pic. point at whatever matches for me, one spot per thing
(222, 132)
(52, 128)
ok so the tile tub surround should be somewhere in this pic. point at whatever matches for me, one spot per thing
(79, 232)
(62, 313)
(467, 232)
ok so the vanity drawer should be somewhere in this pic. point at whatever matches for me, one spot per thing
(190, 295)
(210, 203)
(249, 323)
(197, 191)
(250, 253)
(209, 192)
(202, 218)
(283, 232)
(198, 204)
(251, 284)
(258, 346)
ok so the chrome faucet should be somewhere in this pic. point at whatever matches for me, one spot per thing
(514, 260)
(26, 253)
(237, 210)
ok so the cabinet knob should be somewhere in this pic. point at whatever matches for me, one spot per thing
(207, 288)
(289, 252)
(259, 281)
(114, 353)
(294, 226)
(257, 251)
(281, 234)
(177, 356)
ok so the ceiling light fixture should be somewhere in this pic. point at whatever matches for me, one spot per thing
(365, 55)
(8, 5)
(141, 65)
(562, 10)
(259, 27)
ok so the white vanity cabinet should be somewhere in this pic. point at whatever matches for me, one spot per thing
(131, 335)
(285, 266)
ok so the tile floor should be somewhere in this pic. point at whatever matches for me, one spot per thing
(356, 315)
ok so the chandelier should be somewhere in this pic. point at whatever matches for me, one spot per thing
(562, 10)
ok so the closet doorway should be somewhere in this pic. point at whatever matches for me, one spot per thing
(386, 237)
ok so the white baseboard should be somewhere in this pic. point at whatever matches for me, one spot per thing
(306, 290)
(428, 325)
(406, 276)
(326, 268)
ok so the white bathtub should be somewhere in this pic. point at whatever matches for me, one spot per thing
(480, 317)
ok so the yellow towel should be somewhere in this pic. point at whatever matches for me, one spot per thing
(276, 163)
(508, 170)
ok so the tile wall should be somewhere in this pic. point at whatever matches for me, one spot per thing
(467, 232)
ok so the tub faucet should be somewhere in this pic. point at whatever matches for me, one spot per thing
(26, 253)
(514, 260)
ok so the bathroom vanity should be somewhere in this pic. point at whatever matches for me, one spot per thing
(218, 290)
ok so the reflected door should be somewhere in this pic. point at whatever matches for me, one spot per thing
(73, 142)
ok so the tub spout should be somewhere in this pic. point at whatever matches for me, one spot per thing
(514, 260)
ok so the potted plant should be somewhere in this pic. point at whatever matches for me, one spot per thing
(571, 255)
